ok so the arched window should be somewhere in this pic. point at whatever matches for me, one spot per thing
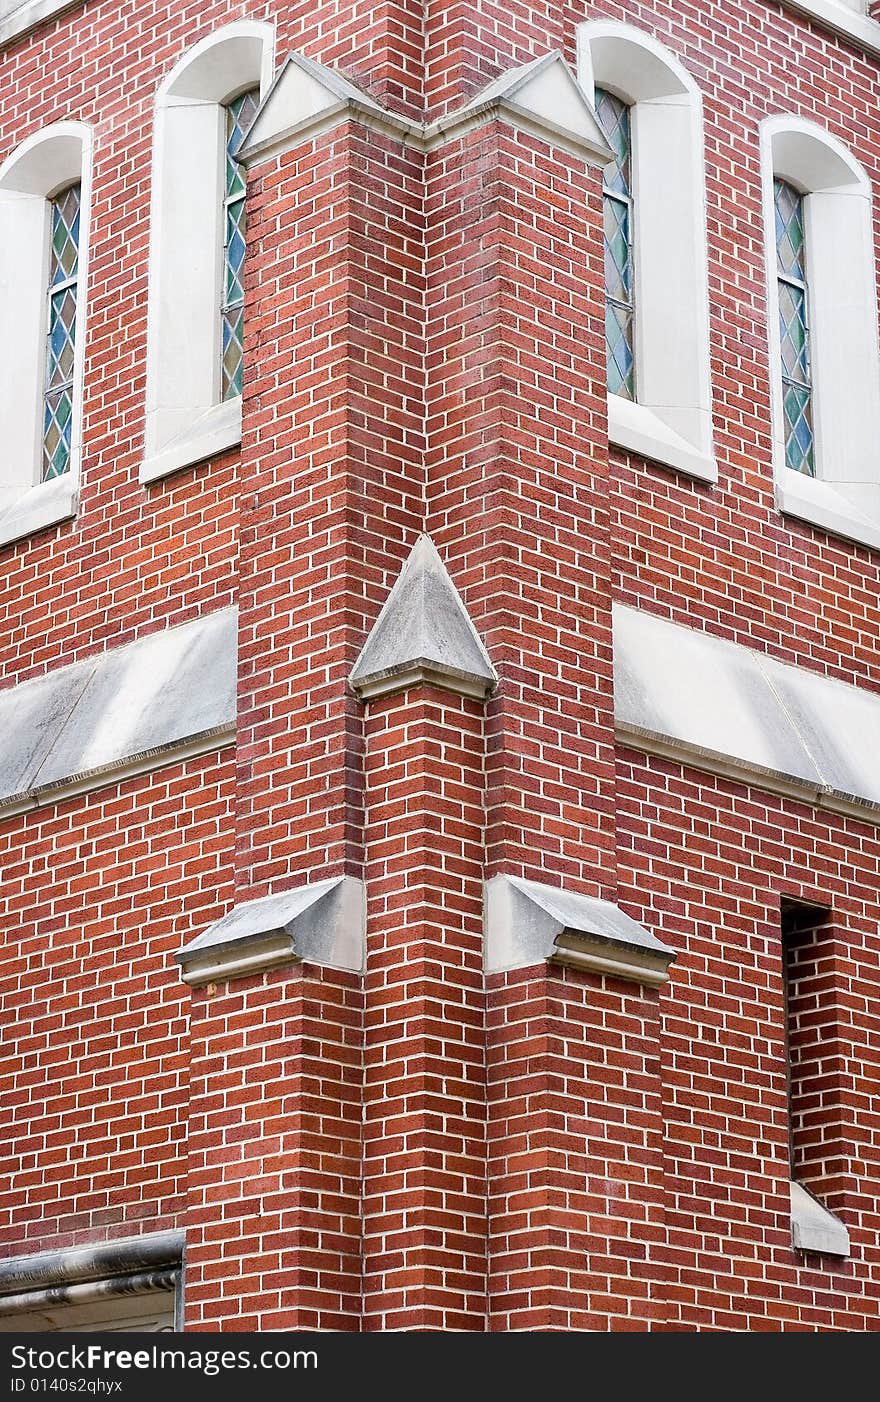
(657, 306)
(825, 367)
(45, 197)
(197, 242)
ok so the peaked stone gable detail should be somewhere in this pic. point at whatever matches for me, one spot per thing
(423, 634)
(542, 97)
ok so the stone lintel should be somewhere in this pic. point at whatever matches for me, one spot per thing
(746, 715)
(167, 697)
(154, 1254)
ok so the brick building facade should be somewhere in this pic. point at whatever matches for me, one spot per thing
(438, 798)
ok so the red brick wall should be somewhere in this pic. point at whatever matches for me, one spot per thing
(424, 1164)
(273, 1170)
(98, 893)
(705, 863)
(425, 351)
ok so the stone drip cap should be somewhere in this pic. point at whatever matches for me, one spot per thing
(320, 923)
(423, 635)
(527, 923)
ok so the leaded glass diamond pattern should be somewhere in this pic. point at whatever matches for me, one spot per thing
(793, 332)
(797, 408)
(794, 328)
(618, 265)
(65, 235)
(57, 423)
(234, 252)
(614, 117)
(618, 338)
(789, 207)
(239, 115)
(233, 339)
(61, 339)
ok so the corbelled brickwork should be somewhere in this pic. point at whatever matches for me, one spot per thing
(417, 1144)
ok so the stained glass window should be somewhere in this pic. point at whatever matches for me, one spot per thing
(794, 328)
(61, 347)
(614, 118)
(239, 115)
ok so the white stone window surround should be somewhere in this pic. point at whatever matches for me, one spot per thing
(41, 166)
(186, 420)
(844, 496)
(672, 421)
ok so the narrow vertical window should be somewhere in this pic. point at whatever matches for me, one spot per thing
(239, 115)
(614, 118)
(808, 978)
(794, 328)
(818, 1052)
(63, 275)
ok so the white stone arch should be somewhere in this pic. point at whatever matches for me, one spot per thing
(844, 496)
(672, 420)
(37, 170)
(185, 418)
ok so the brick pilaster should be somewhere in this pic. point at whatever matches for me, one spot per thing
(424, 1114)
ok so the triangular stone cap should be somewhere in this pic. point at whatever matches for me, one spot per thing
(305, 99)
(530, 922)
(423, 634)
(319, 923)
(543, 96)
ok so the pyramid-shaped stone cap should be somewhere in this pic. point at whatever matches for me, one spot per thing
(423, 634)
(304, 99)
(543, 95)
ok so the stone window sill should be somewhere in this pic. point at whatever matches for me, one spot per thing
(213, 432)
(43, 505)
(639, 430)
(831, 505)
(840, 19)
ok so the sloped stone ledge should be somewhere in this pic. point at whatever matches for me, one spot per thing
(813, 1227)
(528, 922)
(323, 922)
(166, 697)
